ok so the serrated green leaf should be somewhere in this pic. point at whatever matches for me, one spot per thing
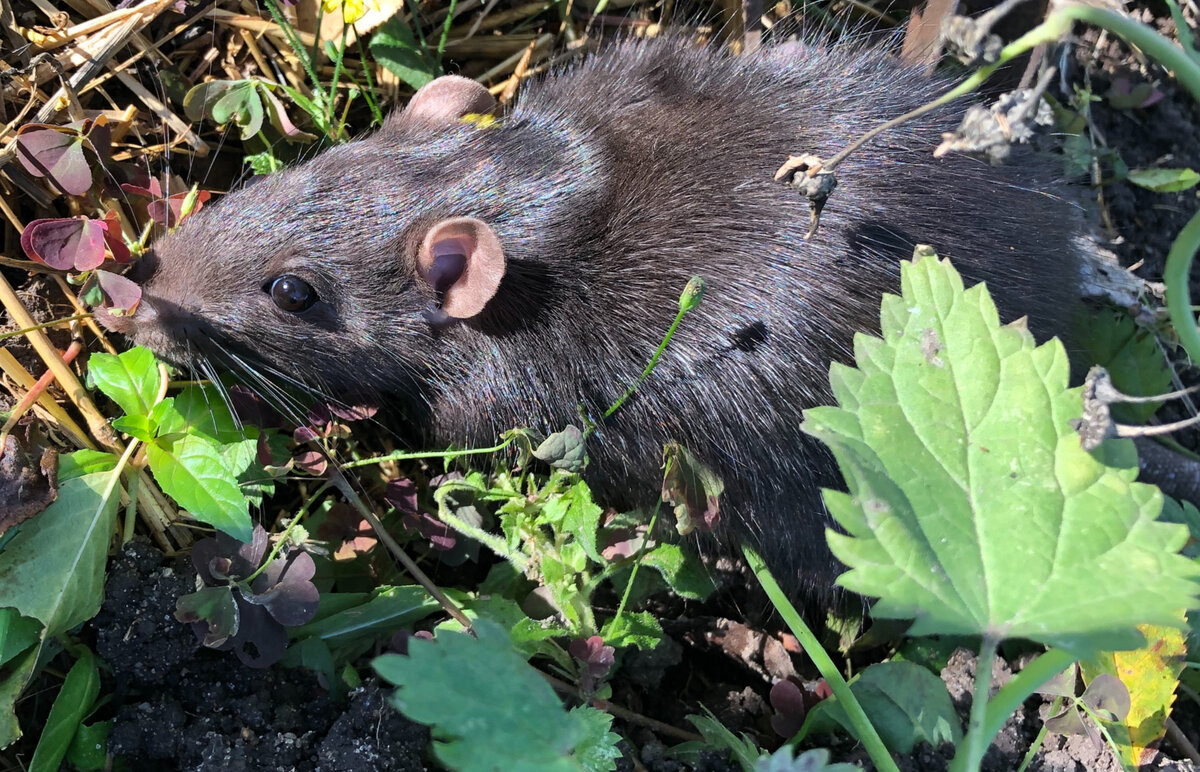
(53, 569)
(71, 706)
(81, 462)
(190, 470)
(1164, 180)
(483, 702)
(973, 508)
(906, 703)
(597, 749)
(394, 46)
(682, 571)
(131, 379)
(1184, 512)
(640, 629)
(716, 735)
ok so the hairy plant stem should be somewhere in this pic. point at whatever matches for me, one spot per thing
(812, 647)
(1049, 664)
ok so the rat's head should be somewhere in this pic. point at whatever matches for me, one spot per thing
(337, 273)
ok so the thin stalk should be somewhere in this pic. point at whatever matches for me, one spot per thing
(299, 50)
(812, 647)
(337, 73)
(445, 32)
(970, 752)
(449, 455)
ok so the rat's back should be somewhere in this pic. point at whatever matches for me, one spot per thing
(674, 153)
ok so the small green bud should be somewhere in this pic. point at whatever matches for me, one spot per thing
(692, 294)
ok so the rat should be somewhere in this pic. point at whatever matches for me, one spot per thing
(486, 276)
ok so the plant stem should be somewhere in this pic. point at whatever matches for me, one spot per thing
(449, 455)
(337, 73)
(637, 561)
(1041, 737)
(306, 61)
(445, 32)
(287, 531)
(812, 647)
(970, 752)
(1023, 684)
(614, 407)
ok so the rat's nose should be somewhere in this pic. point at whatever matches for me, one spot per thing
(144, 268)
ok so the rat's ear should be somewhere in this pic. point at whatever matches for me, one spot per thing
(443, 101)
(462, 261)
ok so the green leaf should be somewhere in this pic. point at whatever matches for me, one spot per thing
(906, 703)
(1186, 513)
(190, 470)
(390, 609)
(484, 703)
(138, 426)
(394, 47)
(716, 735)
(81, 462)
(972, 506)
(597, 749)
(131, 378)
(1164, 180)
(71, 706)
(1132, 356)
(574, 512)
(89, 748)
(565, 450)
(17, 633)
(814, 760)
(242, 105)
(13, 679)
(53, 569)
(201, 410)
(641, 630)
(241, 459)
(681, 570)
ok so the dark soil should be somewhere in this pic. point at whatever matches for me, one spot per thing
(180, 706)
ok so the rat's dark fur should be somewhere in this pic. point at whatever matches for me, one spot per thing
(609, 185)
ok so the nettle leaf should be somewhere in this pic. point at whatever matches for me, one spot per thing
(574, 512)
(972, 506)
(190, 470)
(640, 630)
(131, 379)
(682, 571)
(394, 46)
(1164, 180)
(484, 702)
(906, 703)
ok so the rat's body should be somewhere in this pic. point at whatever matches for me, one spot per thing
(607, 188)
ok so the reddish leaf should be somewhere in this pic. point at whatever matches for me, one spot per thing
(76, 242)
(113, 238)
(59, 152)
(121, 295)
(311, 461)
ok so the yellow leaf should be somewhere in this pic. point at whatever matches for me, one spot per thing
(1151, 674)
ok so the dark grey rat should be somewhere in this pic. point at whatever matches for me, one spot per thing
(499, 277)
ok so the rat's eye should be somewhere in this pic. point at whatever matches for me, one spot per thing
(291, 293)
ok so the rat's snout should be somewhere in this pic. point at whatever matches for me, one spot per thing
(143, 269)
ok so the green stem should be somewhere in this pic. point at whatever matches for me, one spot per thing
(1175, 275)
(637, 561)
(337, 73)
(812, 647)
(284, 536)
(491, 541)
(299, 50)
(43, 325)
(1023, 684)
(1041, 737)
(449, 455)
(970, 752)
(445, 32)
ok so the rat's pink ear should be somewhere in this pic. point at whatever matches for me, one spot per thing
(443, 101)
(462, 261)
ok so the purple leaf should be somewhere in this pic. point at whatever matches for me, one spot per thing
(593, 653)
(286, 590)
(55, 152)
(353, 412)
(311, 461)
(402, 494)
(243, 558)
(113, 239)
(788, 700)
(121, 296)
(261, 640)
(73, 243)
